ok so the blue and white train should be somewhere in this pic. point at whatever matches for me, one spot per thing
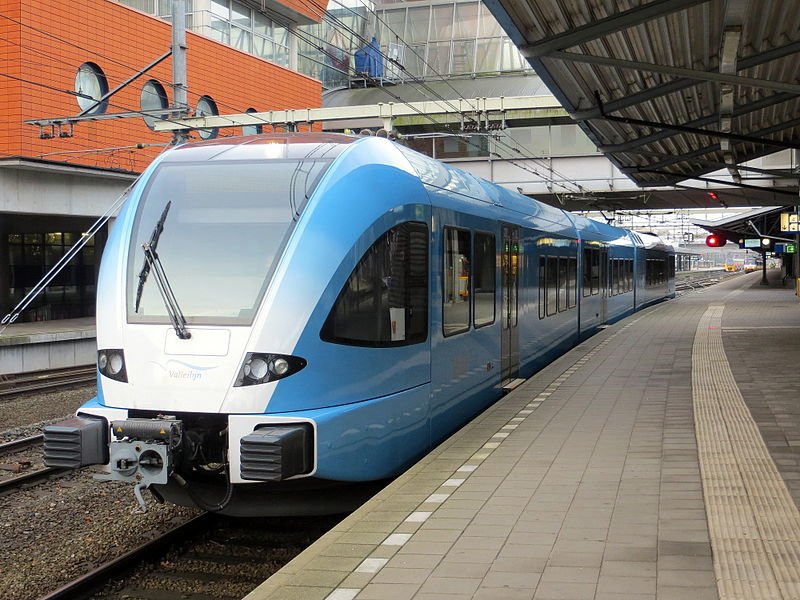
(280, 317)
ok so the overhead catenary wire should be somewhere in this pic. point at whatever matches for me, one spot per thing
(338, 24)
(95, 54)
(446, 81)
(12, 316)
(328, 17)
(421, 82)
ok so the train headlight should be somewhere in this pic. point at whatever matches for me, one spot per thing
(115, 363)
(111, 363)
(279, 367)
(260, 368)
(256, 369)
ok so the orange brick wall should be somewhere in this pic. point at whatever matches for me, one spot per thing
(45, 42)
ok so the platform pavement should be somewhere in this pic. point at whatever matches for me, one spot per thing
(41, 345)
(584, 483)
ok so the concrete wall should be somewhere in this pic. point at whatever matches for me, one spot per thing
(41, 190)
(23, 354)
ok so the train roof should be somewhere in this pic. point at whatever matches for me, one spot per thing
(329, 146)
(313, 146)
(652, 242)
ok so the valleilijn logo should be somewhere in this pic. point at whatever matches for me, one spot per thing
(176, 369)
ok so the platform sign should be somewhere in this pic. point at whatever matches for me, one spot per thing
(790, 222)
(781, 248)
(752, 243)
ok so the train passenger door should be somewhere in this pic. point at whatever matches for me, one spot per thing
(509, 284)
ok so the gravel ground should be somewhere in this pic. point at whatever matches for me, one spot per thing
(26, 415)
(53, 531)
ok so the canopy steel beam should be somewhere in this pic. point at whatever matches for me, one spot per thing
(745, 186)
(706, 132)
(636, 65)
(707, 120)
(775, 173)
(596, 29)
(715, 147)
(679, 84)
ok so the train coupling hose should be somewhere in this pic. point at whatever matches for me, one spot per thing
(137, 492)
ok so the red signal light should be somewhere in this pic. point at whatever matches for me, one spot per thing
(715, 241)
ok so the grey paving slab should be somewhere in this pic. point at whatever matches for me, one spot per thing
(594, 493)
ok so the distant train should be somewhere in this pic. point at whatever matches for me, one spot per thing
(280, 317)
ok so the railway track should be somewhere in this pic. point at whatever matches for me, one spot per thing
(209, 557)
(15, 385)
(85, 585)
(20, 469)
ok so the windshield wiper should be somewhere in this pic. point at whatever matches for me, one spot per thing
(173, 310)
(153, 262)
(152, 243)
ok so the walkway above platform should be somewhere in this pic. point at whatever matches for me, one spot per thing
(659, 459)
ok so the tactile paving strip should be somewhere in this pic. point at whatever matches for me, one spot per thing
(753, 522)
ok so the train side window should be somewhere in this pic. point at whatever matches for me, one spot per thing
(563, 290)
(542, 287)
(572, 281)
(627, 275)
(614, 274)
(457, 279)
(385, 300)
(587, 272)
(485, 275)
(595, 272)
(551, 284)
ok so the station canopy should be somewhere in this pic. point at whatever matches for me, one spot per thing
(674, 90)
(760, 222)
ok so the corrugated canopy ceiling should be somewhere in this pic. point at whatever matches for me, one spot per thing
(670, 89)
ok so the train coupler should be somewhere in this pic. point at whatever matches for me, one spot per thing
(143, 452)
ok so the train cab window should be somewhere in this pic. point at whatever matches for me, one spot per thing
(457, 280)
(485, 268)
(385, 300)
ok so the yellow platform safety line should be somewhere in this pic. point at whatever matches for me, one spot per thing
(753, 521)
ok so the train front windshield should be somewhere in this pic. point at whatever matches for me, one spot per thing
(217, 229)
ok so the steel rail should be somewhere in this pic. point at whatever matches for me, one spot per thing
(98, 576)
(45, 380)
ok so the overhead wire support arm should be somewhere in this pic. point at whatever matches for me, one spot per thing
(125, 83)
(86, 115)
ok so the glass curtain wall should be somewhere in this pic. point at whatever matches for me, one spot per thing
(425, 39)
(450, 38)
(71, 294)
